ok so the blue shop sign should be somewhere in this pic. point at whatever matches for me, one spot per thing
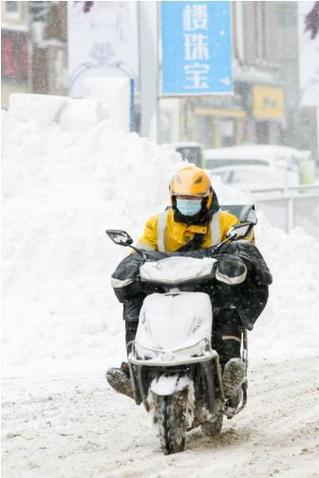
(196, 48)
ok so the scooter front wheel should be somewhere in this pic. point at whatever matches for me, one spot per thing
(169, 416)
(213, 428)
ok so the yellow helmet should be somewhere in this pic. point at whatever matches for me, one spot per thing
(192, 181)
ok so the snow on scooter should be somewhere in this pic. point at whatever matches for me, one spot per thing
(174, 370)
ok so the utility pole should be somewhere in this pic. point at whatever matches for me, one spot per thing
(149, 67)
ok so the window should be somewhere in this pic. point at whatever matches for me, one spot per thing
(251, 176)
(12, 11)
(219, 163)
(260, 32)
(12, 8)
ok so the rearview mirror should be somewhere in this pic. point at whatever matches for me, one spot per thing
(122, 238)
(239, 231)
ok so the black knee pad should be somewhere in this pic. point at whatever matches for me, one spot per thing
(227, 330)
(131, 309)
(230, 347)
(130, 330)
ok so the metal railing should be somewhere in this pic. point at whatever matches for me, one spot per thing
(290, 207)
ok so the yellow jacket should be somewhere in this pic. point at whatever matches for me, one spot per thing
(177, 234)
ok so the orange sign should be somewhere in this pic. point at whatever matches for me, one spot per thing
(268, 102)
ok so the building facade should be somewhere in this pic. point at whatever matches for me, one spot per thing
(264, 108)
(49, 47)
(15, 50)
(34, 48)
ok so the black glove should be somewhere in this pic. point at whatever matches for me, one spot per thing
(231, 270)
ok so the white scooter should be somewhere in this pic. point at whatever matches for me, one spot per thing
(174, 370)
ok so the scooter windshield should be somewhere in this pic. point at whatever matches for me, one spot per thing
(177, 270)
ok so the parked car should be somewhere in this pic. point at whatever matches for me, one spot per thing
(290, 161)
(252, 177)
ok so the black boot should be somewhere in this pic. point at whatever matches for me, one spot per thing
(119, 379)
(233, 376)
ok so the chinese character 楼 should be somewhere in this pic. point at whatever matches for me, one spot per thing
(195, 17)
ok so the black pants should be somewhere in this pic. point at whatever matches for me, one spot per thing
(226, 335)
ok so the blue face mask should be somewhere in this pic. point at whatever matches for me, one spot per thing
(188, 207)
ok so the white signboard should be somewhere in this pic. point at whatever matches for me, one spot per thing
(308, 20)
(103, 41)
(114, 96)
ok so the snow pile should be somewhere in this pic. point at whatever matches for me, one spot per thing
(289, 325)
(62, 187)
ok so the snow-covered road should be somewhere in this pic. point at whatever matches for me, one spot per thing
(66, 181)
(78, 427)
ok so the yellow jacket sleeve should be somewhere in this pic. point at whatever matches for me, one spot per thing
(148, 240)
(227, 220)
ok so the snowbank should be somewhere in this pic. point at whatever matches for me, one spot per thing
(289, 325)
(61, 190)
(62, 187)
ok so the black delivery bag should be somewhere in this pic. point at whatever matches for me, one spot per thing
(251, 296)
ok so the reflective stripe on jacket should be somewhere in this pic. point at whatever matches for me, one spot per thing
(162, 233)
